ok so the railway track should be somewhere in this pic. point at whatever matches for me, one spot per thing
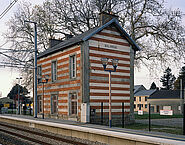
(36, 136)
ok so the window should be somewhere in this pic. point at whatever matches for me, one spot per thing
(39, 104)
(145, 105)
(139, 98)
(140, 105)
(134, 98)
(54, 104)
(73, 66)
(73, 103)
(145, 98)
(39, 71)
(54, 71)
(134, 106)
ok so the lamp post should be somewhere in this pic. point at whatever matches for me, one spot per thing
(19, 94)
(114, 64)
(43, 81)
(35, 67)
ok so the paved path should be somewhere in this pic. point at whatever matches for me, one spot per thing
(173, 122)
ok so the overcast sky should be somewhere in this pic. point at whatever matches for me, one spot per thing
(8, 77)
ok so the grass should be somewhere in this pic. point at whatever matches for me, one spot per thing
(156, 116)
(156, 128)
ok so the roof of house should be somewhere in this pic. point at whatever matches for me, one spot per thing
(144, 93)
(138, 88)
(6, 100)
(166, 94)
(86, 35)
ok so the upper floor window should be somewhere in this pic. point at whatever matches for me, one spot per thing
(54, 70)
(73, 66)
(145, 98)
(134, 98)
(39, 70)
(139, 98)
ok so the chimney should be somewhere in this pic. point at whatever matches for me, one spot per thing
(68, 36)
(105, 17)
(53, 42)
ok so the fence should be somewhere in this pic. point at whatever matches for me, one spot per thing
(147, 121)
(98, 116)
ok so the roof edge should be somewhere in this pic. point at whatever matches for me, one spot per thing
(114, 20)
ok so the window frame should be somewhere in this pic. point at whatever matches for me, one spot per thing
(39, 104)
(39, 70)
(52, 108)
(73, 66)
(54, 71)
(70, 104)
(140, 99)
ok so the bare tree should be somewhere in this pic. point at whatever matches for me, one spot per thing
(156, 30)
(20, 36)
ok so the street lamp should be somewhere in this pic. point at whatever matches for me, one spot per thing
(19, 94)
(35, 67)
(114, 64)
(43, 81)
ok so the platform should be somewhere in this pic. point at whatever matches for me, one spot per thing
(104, 134)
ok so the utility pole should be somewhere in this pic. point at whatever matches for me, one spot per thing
(19, 94)
(35, 68)
(181, 96)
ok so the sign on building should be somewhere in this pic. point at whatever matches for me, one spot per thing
(166, 112)
(140, 112)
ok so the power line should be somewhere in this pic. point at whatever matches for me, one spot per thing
(9, 63)
(8, 8)
(1, 65)
(7, 50)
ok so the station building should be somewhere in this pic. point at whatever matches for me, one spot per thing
(77, 80)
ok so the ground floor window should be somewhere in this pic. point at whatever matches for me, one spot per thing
(140, 106)
(73, 105)
(54, 104)
(39, 104)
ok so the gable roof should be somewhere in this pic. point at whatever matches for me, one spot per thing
(144, 93)
(166, 94)
(138, 88)
(86, 35)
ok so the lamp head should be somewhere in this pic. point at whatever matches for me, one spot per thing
(104, 62)
(46, 78)
(115, 63)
